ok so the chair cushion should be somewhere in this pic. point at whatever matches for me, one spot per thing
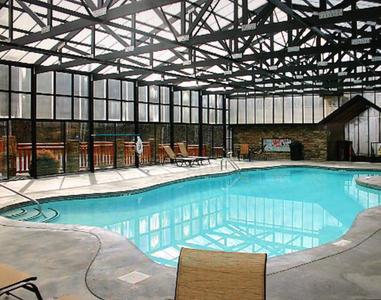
(205, 275)
(10, 276)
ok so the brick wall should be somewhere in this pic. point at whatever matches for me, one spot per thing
(313, 137)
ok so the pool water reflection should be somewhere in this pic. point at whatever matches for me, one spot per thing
(277, 211)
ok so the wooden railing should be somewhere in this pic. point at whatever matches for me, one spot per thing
(104, 154)
(24, 154)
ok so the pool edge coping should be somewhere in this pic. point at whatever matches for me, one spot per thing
(188, 177)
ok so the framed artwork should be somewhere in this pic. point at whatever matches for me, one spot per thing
(276, 145)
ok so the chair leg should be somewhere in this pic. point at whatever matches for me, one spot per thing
(33, 288)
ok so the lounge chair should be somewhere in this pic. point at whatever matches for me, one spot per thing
(244, 151)
(184, 153)
(209, 275)
(12, 279)
(180, 161)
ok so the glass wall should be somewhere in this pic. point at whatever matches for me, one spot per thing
(365, 128)
(309, 108)
(212, 119)
(50, 138)
(114, 140)
(278, 109)
(62, 113)
(15, 125)
(68, 115)
(3, 150)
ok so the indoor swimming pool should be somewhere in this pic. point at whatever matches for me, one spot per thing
(277, 211)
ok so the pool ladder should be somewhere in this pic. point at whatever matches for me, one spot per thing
(226, 160)
(22, 215)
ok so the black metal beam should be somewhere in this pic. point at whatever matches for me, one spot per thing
(112, 14)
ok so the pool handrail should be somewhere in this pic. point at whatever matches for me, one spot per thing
(228, 159)
(39, 208)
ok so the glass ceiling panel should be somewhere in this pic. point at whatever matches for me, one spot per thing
(31, 58)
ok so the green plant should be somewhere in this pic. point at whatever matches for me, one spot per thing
(46, 163)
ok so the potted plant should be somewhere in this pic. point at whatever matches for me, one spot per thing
(46, 163)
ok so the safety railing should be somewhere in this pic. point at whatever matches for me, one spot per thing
(227, 160)
(39, 208)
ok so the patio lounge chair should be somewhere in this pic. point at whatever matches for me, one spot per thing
(208, 275)
(12, 279)
(244, 151)
(180, 161)
(184, 153)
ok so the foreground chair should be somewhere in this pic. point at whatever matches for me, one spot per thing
(209, 275)
(184, 153)
(180, 161)
(12, 279)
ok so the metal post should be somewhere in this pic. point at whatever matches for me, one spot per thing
(90, 147)
(200, 133)
(224, 125)
(33, 167)
(136, 118)
(171, 119)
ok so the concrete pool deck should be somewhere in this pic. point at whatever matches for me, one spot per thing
(88, 261)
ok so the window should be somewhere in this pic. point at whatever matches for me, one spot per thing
(287, 109)
(186, 106)
(63, 83)
(99, 109)
(20, 79)
(219, 109)
(177, 107)
(194, 106)
(241, 110)
(164, 104)
(205, 104)
(4, 77)
(307, 102)
(114, 89)
(45, 108)
(259, 110)
(63, 108)
(128, 100)
(233, 111)
(45, 83)
(143, 103)
(250, 111)
(269, 110)
(81, 109)
(318, 108)
(4, 109)
(298, 109)
(20, 106)
(278, 109)
(20, 93)
(212, 109)
(114, 110)
(81, 85)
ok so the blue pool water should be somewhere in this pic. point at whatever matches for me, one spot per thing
(277, 211)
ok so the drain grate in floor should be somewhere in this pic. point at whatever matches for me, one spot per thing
(134, 277)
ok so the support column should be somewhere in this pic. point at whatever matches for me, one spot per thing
(200, 133)
(33, 167)
(136, 118)
(90, 145)
(171, 119)
(224, 124)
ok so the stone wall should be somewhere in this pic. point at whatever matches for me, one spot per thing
(313, 137)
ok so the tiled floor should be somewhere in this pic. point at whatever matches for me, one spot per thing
(88, 261)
